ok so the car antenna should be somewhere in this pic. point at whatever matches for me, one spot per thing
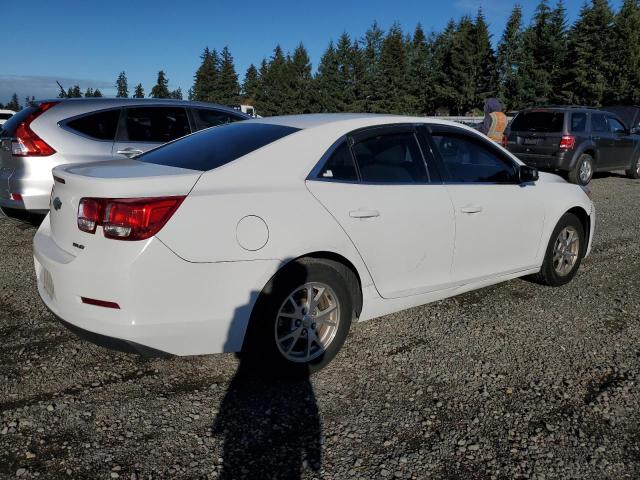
(63, 93)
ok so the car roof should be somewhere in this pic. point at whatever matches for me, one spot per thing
(116, 101)
(347, 120)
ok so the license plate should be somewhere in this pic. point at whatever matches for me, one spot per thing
(530, 141)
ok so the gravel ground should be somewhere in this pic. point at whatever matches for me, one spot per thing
(512, 381)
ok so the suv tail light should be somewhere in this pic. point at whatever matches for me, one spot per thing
(26, 143)
(567, 142)
(126, 218)
(505, 140)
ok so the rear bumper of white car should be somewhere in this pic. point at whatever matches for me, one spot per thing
(165, 303)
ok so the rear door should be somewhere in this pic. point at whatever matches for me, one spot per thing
(498, 220)
(393, 206)
(144, 128)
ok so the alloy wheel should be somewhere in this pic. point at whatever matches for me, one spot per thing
(566, 250)
(307, 322)
(585, 172)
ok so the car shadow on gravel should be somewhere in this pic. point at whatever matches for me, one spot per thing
(269, 424)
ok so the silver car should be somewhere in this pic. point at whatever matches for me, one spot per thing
(77, 130)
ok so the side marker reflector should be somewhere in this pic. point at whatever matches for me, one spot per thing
(100, 303)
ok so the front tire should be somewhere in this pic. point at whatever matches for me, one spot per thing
(583, 170)
(634, 170)
(564, 252)
(302, 318)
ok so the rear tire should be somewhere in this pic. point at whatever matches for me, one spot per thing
(291, 337)
(564, 253)
(583, 170)
(634, 170)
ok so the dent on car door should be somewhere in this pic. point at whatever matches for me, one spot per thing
(378, 188)
(144, 128)
(498, 220)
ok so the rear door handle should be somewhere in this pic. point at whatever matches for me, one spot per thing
(471, 209)
(364, 213)
(130, 152)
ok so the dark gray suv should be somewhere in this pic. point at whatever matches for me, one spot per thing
(575, 140)
(78, 130)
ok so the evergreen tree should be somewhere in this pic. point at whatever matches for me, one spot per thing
(299, 81)
(272, 97)
(74, 92)
(14, 104)
(250, 85)
(228, 87)
(557, 60)
(461, 68)
(624, 87)
(206, 82)
(97, 93)
(88, 92)
(393, 72)
(445, 93)
(122, 86)
(327, 82)
(138, 92)
(161, 88)
(419, 79)
(509, 61)
(372, 89)
(346, 89)
(591, 51)
(485, 72)
(176, 94)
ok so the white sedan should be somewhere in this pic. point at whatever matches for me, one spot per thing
(270, 236)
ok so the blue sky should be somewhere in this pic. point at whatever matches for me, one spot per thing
(80, 42)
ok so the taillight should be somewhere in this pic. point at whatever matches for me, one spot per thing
(505, 140)
(26, 143)
(567, 142)
(126, 218)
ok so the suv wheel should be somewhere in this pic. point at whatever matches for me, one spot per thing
(634, 171)
(583, 171)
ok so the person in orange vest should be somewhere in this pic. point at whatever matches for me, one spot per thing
(495, 121)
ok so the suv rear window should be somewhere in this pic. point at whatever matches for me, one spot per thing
(99, 125)
(536, 121)
(218, 146)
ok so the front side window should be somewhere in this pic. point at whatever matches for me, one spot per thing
(156, 124)
(615, 126)
(598, 123)
(391, 158)
(98, 125)
(206, 118)
(468, 161)
(215, 147)
(578, 122)
(340, 165)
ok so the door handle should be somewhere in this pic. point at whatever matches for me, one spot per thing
(364, 213)
(471, 209)
(130, 152)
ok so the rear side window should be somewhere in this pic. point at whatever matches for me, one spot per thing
(5, 116)
(578, 122)
(206, 118)
(538, 121)
(598, 123)
(99, 125)
(340, 165)
(391, 158)
(468, 161)
(156, 124)
(213, 148)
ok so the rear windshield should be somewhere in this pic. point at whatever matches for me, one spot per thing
(538, 122)
(4, 116)
(217, 146)
(9, 127)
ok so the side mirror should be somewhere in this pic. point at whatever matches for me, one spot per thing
(635, 131)
(528, 174)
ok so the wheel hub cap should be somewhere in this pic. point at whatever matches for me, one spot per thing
(566, 250)
(307, 322)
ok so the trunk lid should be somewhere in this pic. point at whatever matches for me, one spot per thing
(537, 132)
(111, 179)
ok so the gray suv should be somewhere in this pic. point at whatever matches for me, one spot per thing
(54, 132)
(575, 140)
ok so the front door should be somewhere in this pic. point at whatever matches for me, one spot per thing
(393, 208)
(498, 220)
